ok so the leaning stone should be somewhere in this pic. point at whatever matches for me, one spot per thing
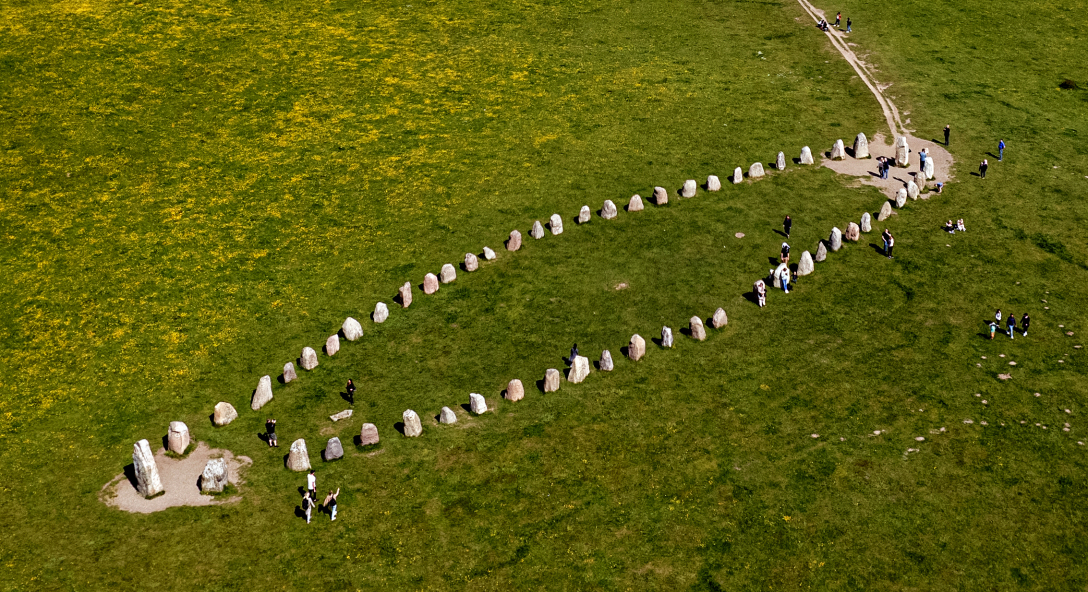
(308, 359)
(661, 197)
(689, 188)
(406, 295)
(637, 348)
(902, 152)
(352, 329)
(866, 222)
(836, 239)
(697, 329)
(853, 232)
(579, 369)
(298, 459)
(929, 169)
(332, 345)
(515, 391)
(263, 394)
(912, 190)
(448, 273)
(342, 415)
(447, 416)
(471, 262)
(381, 312)
(901, 197)
(666, 337)
(606, 361)
(861, 146)
(776, 275)
(477, 403)
(489, 255)
(780, 162)
(805, 265)
(719, 320)
(538, 230)
(515, 241)
(713, 183)
(289, 373)
(224, 413)
(806, 155)
(738, 175)
(148, 482)
(412, 426)
(177, 438)
(551, 380)
(368, 434)
(556, 224)
(609, 210)
(756, 170)
(885, 212)
(333, 449)
(838, 151)
(430, 283)
(215, 478)
(583, 215)
(821, 252)
(635, 205)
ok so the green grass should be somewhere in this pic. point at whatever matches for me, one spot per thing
(193, 193)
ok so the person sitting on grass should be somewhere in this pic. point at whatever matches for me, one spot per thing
(959, 225)
(949, 227)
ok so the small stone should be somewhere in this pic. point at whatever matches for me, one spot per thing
(515, 391)
(177, 437)
(876, 433)
(780, 162)
(1069, 333)
(821, 252)
(430, 284)
(885, 211)
(739, 235)
(920, 439)
(805, 265)
(448, 273)
(738, 175)
(489, 255)
(579, 369)
(867, 222)
(1004, 376)
(298, 459)
(214, 479)
(515, 241)
(341, 415)
(836, 239)
(606, 361)
(472, 263)
(368, 434)
(352, 329)
(333, 449)
(405, 294)
(555, 223)
(609, 211)
(661, 196)
(853, 232)
(815, 435)
(901, 197)
(584, 214)
(912, 190)
(1012, 363)
(861, 146)
(308, 359)
(756, 170)
(412, 427)
(636, 348)
(289, 373)
(224, 413)
(695, 324)
(263, 394)
(713, 183)
(902, 152)
(332, 345)
(838, 151)
(537, 231)
(688, 190)
(666, 337)
(551, 380)
(447, 416)
(806, 155)
(381, 312)
(635, 205)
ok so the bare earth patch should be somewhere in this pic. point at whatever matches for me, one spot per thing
(179, 479)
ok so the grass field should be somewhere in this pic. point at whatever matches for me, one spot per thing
(194, 192)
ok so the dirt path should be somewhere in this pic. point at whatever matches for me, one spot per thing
(179, 479)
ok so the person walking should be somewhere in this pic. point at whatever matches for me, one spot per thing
(947, 131)
(307, 505)
(997, 317)
(761, 293)
(885, 235)
(891, 245)
(785, 258)
(993, 330)
(1001, 150)
(982, 168)
(887, 167)
(270, 428)
(350, 390)
(1010, 324)
(1024, 322)
(848, 25)
(784, 277)
(838, 18)
(787, 224)
(311, 484)
(330, 503)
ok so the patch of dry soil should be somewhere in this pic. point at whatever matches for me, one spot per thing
(179, 480)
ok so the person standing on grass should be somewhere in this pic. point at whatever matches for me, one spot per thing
(1001, 150)
(993, 330)
(330, 503)
(350, 389)
(785, 258)
(838, 18)
(947, 130)
(891, 245)
(307, 505)
(1011, 325)
(848, 25)
(787, 224)
(311, 485)
(784, 277)
(982, 168)
(885, 235)
(1024, 322)
(997, 317)
(270, 427)
(761, 293)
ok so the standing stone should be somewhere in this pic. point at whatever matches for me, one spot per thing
(635, 205)
(308, 359)
(381, 312)
(866, 222)
(447, 416)
(289, 373)
(920, 181)
(838, 151)
(333, 449)
(412, 427)
(929, 169)
(447, 274)
(861, 146)
(471, 262)
(780, 162)
(805, 265)
(298, 459)
(579, 369)
(489, 255)
(515, 391)
(263, 394)
(661, 197)
(738, 175)
(406, 295)
(821, 252)
(902, 152)
(609, 210)
(776, 275)
(538, 230)
(477, 403)
(352, 329)
(368, 434)
(637, 348)
(885, 211)
(177, 438)
(853, 232)
(147, 472)
(756, 170)
(719, 319)
(556, 224)
(606, 361)
(515, 241)
(697, 329)
(583, 215)
(806, 155)
(713, 183)
(551, 380)
(215, 477)
(688, 190)
(224, 413)
(332, 345)
(901, 197)
(666, 337)
(836, 239)
(430, 284)
(912, 190)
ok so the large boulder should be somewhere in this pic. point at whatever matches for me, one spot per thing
(477, 403)
(756, 170)
(381, 313)
(609, 211)
(489, 255)
(912, 190)
(861, 146)
(821, 252)
(606, 363)
(929, 168)
(666, 337)
(289, 373)
(902, 152)
(368, 434)
(224, 413)
(780, 161)
(661, 196)
(635, 205)
(263, 394)
(579, 369)
(515, 241)
(308, 359)
(333, 449)
(515, 391)
(713, 183)
(866, 222)
(719, 319)
(447, 274)
(584, 214)
(695, 324)
(806, 155)
(537, 231)
(430, 283)
(637, 348)
(853, 232)
(805, 265)
(177, 437)
(148, 482)
(551, 380)
(298, 459)
(556, 224)
(447, 416)
(332, 345)
(776, 275)
(835, 240)
(405, 294)
(901, 197)
(472, 263)
(352, 329)
(838, 151)
(738, 175)
(688, 190)
(885, 211)
(412, 427)
(215, 477)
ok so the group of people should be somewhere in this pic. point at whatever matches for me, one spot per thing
(823, 26)
(1010, 324)
(985, 164)
(309, 498)
(951, 228)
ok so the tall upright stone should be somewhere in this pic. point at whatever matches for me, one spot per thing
(805, 265)
(333, 449)
(695, 325)
(661, 196)
(537, 231)
(556, 224)
(412, 426)
(472, 263)
(148, 482)
(866, 222)
(298, 458)
(352, 329)
(489, 255)
(515, 391)
(289, 373)
(430, 284)
(263, 394)
(713, 183)
(447, 274)
(835, 239)
(688, 190)
(332, 345)
(308, 359)
(215, 477)
(609, 211)
(515, 241)
(901, 197)
(902, 152)
(447, 416)
(551, 380)
(405, 294)
(177, 437)
(368, 434)
(861, 146)
(635, 205)
(381, 313)
(719, 319)
(821, 252)
(886, 210)
(756, 170)
(780, 161)
(738, 175)
(920, 181)
(636, 348)
(853, 232)
(912, 190)
(224, 413)
(838, 151)
(929, 168)
(584, 214)
(666, 337)
(806, 155)
(579, 369)
(606, 362)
